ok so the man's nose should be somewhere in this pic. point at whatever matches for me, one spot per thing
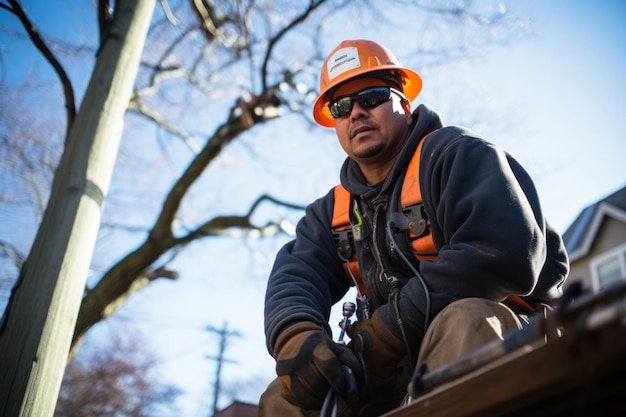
(357, 110)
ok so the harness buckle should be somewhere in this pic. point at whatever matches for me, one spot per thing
(345, 243)
(417, 219)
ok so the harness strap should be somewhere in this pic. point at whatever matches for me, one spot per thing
(342, 231)
(516, 302)
(411, 192)
(411, 199)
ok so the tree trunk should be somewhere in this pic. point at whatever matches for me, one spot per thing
(36, 330)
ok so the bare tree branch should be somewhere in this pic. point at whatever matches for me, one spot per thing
(11, 252)
(219, 226)
(132, 273)
(274, 40)
(127, 384)
(104, 18)
(32, 31)
(210, 19)
(168, 13)
(156, 117)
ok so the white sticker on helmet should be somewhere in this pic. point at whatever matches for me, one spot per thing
(342, 61)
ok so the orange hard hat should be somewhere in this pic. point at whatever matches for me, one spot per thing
(354, 58)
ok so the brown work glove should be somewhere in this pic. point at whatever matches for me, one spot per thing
(382, 353)
(380, 348)
(309, 363)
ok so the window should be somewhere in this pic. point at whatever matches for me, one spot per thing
(609, 267)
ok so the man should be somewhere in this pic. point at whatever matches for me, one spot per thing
(493, 257)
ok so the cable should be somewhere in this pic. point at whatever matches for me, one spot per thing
(414, 271)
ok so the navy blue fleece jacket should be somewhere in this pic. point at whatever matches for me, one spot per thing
(486, 221)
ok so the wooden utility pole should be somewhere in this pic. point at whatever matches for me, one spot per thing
(224, 335)
(37, 328)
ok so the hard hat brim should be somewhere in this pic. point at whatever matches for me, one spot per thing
(411, 86)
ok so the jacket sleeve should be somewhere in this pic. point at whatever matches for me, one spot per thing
(307, 277)
(487, 223)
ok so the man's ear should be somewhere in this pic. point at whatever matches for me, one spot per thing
(406, 106)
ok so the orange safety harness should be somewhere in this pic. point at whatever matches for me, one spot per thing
(418, 230)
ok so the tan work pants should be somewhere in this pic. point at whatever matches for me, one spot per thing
(460, 328)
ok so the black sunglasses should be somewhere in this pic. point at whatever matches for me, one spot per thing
(370, 97)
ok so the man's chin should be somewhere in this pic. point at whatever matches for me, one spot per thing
(366, 152)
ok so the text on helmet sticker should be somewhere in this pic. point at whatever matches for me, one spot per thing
(343, 60)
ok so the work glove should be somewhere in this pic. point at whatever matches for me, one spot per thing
(383, 354)
(309, 363)
(381, 349)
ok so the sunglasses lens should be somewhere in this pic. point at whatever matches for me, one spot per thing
(373, 97)
(367, 98)
(341, 107)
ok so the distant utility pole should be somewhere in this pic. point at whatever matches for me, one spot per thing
(224, 335)
(37, 327)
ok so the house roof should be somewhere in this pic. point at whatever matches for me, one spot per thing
(238, 409)
(580, 235)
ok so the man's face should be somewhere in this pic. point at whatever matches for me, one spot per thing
(372, 136)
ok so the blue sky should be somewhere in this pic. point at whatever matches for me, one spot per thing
(568, 85)
(563, 92)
